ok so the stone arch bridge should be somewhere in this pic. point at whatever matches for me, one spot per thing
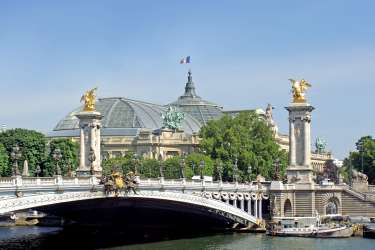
(243, 204)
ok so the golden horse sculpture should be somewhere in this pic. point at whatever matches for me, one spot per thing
(298, 90)
(89, 98)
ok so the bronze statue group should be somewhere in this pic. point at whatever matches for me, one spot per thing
(116, 182)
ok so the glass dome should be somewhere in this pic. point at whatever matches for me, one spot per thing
(122, 113)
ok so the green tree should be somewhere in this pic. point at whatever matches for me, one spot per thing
(245, 137)
(149, 168)
(172, 168)
(5, 169)
(365, 151)
(124, 164)
(32, 144)
(193, 165)
(69, 160)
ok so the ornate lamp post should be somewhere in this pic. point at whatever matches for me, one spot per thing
(350, 172)
(193, 167)
(201, 167)
(69, 167)
(219, 168)
(276, 166)
(235, 170)
(361, 150)
(249, 172)
(135, 162)
(57, 157)
(15, 155)
(38, 171)
(161, 167)
(182, 166)
(92, 158)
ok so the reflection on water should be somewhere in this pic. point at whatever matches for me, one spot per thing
(257, 241)
(54, 238)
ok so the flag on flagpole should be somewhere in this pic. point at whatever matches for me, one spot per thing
(185, 60)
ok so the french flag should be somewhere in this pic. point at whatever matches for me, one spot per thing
(185, 60)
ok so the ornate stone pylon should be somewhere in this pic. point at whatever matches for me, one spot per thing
(89, 123)
(300, 169)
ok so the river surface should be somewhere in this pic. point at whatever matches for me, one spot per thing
(54, 238)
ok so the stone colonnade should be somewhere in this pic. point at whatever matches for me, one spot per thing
(251, 203)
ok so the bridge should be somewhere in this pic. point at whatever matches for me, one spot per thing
(233, 202)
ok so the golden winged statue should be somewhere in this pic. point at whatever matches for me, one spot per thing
(89, 98)
(298, 90)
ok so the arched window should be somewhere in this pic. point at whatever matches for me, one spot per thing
(331, 207)
(288, 212)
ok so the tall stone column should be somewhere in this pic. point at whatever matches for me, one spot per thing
(89, 122)
(249, 206)
(300, 169)
(82, 148)
(292, 144)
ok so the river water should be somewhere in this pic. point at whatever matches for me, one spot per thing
(54, 238)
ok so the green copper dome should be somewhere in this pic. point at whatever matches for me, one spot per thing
(122, 113)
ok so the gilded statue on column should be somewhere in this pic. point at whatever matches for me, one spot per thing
(89, 98)
(298, 89)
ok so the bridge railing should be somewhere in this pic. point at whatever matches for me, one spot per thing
(371, 188)
(56, 181)
(6, 181)
(198, 184)
(18, 181)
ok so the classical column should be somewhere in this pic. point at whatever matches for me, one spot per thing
(256, 208)
(292, 143)
(92, 135)
(299, 169)
(242, 205)
(260, 208)
(82, 148)
(307, 145)
(249, 206)
(90, 143)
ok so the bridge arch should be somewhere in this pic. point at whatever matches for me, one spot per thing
(213, 207)
(288, 210)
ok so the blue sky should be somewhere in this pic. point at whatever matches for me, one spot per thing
(242, 54)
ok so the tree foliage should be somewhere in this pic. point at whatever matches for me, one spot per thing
(150, 168)
(5, 169)
(69, 160)
(32, 145)
(245, 137)
(193, 165)
(124, 164)
(34, 148)
(365, 150)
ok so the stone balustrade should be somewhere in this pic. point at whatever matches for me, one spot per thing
(9, 182)
(371, 188)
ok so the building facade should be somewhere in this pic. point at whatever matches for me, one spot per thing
(137, 126)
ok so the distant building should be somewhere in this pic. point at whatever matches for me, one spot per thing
(137, 126)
